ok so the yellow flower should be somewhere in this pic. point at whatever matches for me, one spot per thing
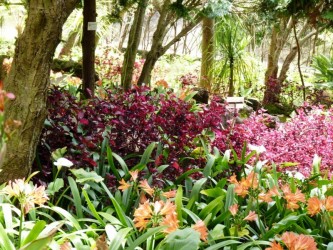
(145, 186)
(233, 209)
(201, 228)
(124, 185)
(252, 216)
(314, 206)
(27, 194)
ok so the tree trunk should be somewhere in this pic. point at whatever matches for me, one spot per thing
(279, 38)
(67, 48)
(132, 45)
(157, 49)
(88, 48)
(291, 56)
(124, 32)
(29, 80)
(207, 50)
(231, 88)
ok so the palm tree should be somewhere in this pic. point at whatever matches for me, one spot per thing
(231, 41)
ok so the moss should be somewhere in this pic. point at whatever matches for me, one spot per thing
(278, 109)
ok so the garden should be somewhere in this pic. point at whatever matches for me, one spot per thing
(170, 125)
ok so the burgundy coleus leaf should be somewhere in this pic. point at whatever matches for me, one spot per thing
(84, 121)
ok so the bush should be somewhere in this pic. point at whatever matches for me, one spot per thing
(131, 121)
(295, 142)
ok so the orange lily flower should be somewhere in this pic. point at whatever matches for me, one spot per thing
(265, 197)
(124, 185)
(134, 175)
(170, 220)
(142, 215)
(201, 228)
(329, 203)
(275, 246)
(145, 186)
(233, 209)
(241, 189)
(252, 216)
(169, 194)
(314, 206)
(233, 179)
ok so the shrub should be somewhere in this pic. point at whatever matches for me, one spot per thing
(131, 121)
(295, 142)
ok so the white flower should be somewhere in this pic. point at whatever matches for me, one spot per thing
(299, 176)
(63, 162)
(258, 149)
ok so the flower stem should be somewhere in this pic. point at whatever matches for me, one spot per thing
(21, 225)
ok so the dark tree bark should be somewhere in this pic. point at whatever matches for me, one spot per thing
(88, 48)
(132, 45)
(207, 48)
(29, 80)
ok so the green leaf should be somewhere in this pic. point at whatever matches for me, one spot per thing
(55, 186)
(282, 225)
(186, 174)
(222, 244)
(34, 232)
(330, 246)
(214, 192)
(76, 196)
(184, 239)
(92, 208)
(4, 240)
(254, 243)
(63, 213)
(146, 155)
(84, 176)
(179, 204)
(40, 244)
(122, 163)
(116, 238)
(213, 206)
(111, 163)
(208, 168)
(144, 237)
(230, 197)
(120, 212)
(194, 217)
(195, 192)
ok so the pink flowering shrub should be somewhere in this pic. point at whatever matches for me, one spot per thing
(297, 141)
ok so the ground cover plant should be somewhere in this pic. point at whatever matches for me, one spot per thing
(257, 207)
(293, 145)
